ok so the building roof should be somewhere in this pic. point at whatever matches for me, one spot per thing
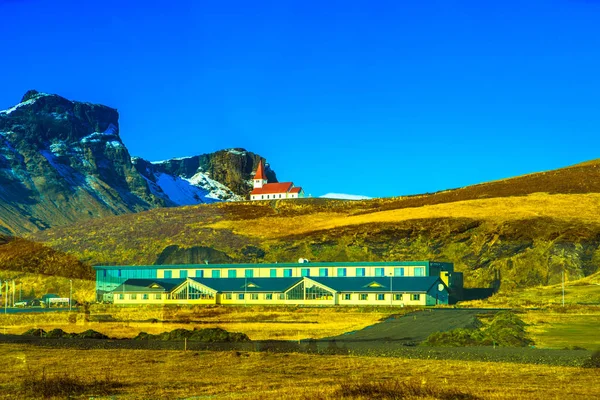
(296, 189)
(271, 188)
(249, 285)
(260, 171)
(148, 285)
(417, 284)
(311, 264)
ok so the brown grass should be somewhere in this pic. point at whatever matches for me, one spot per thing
(178, 374)
(259, 323)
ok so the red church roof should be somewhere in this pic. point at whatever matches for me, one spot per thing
(260, 171)
(296, 189)
(271, 188)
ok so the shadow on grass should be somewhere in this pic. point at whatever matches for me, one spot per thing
(65, 385)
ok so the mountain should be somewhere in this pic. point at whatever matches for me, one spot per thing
(507, 234)
(63, 161)
(225, 175)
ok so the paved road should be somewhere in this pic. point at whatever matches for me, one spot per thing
(416, 326)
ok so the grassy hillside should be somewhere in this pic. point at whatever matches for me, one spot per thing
(523, 241)
(518, 232)
(21, 257)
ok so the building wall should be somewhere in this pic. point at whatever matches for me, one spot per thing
(407, 299)
(295, 272)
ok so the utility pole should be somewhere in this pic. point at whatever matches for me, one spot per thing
(563, 288)
(5, 297)
(70, 294)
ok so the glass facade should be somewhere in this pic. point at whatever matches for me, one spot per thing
(108, 279)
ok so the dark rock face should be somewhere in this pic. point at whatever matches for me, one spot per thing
(233, 168)
(63, 161)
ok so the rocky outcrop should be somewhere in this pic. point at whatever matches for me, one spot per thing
(223, 175)
(63, 161)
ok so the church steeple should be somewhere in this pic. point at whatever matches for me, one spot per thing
(260, 178)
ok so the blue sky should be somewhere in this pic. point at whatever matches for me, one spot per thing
(364, 97)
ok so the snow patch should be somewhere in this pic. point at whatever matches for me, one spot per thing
(343, 196)
(25, 103)
(98, 137)
(237, 152)
(171, 159)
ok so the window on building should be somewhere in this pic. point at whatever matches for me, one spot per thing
(121, 296)
(145, 296)
(183, 273)
(133, 297)
(360, 272)
(262, 196)
(254, 296)
(228, 296)
(273, 273)
(347, 296)
(397, 297)
(420, 271)
(249, 273)
(168, 274)
(323, 272)
(399, 271)
(216, 273)
(232, 273)
(341, 272)
(287, 273)
(415, 297)
(267, 197)
(269, 296)
(279, 196)
(104, 273)
(363, 296)
(380, 296)
(281, 296)
(241, 296)
(305, 272)
(379, 272)
(199, 273)
(119, 273)
(157, 296)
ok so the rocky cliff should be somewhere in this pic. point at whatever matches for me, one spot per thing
(63, 161)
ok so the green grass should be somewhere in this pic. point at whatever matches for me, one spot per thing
(558, 330)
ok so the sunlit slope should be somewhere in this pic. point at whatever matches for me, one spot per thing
(515, 242)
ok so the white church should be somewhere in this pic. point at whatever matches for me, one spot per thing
(273, 191)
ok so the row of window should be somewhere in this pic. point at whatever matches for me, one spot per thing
(288, 272)
(281, 296)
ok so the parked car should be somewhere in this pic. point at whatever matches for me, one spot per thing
(22, 304)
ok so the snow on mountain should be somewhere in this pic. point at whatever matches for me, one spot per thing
(23, 103)
(343, 196)
(183, 191)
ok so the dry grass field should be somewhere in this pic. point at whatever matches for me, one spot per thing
(259, 323)
(140, 374)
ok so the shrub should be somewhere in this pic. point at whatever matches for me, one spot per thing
(197, 335)
(506, 329)
(594, 360)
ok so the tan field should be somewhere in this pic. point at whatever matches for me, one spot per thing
(178, 374)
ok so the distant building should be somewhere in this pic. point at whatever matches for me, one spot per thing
(401, 283)
(273, 191)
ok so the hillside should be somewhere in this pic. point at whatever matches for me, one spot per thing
(517, 241)
(63, 162)
(518, 232)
